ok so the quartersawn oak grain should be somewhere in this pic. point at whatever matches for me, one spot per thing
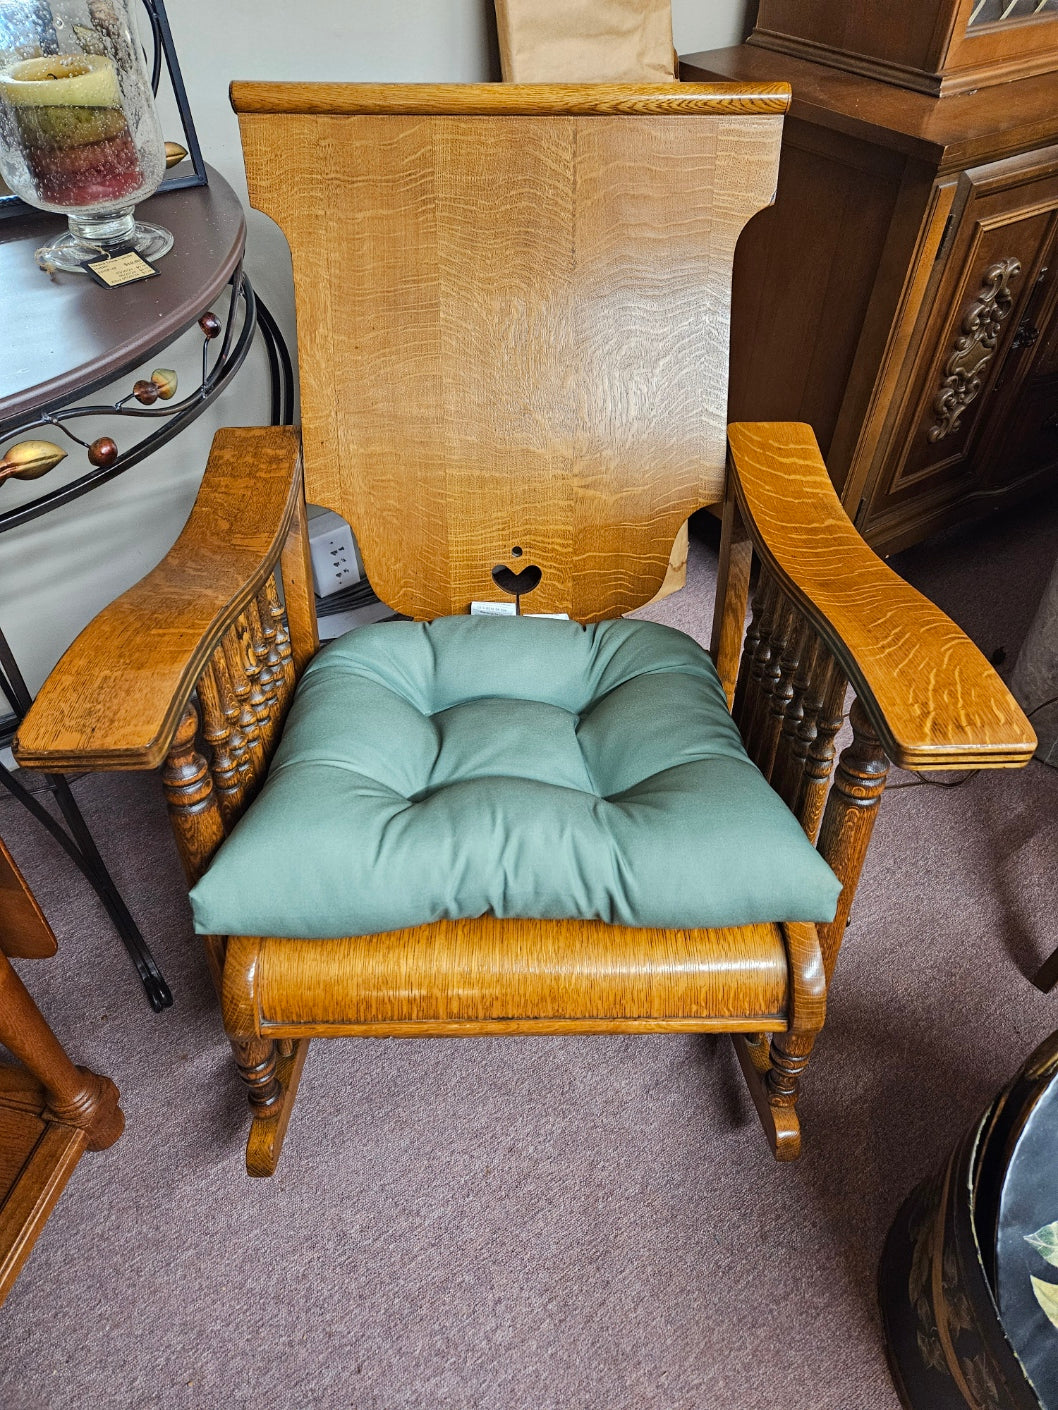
(525, 340)
(493, 99)
(930, 694)
(481, 971)
(516, 336)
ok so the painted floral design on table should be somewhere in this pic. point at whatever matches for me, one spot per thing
(1045, 1241)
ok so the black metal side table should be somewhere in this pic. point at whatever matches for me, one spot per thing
(66, 338)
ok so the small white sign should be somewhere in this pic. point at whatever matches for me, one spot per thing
(493, 609)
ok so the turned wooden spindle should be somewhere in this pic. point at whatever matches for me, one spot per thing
(277, 612)
(279, 661)
(782, 692)
(754, 632)
(826, 713)
(255, 1059)
(263, 633)
(220, 721)
(268, 677)
(238, 744)
(771, 603)
(193, 807)
(758, 740)
(792, 750)
(789, 1058)
(251, 644)
(277, 678)
(239, 684)
(848, 822)
(76, 1097)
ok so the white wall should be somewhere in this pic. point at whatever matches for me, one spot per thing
(58, 571)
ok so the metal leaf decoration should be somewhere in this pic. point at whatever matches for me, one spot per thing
(1047, 1297)
(174, 154)
(1045, 1241)
(29, 460)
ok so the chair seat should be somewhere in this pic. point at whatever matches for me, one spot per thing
(522, 976)
(513, 767)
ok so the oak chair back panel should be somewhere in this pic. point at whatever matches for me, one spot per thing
(513, 332)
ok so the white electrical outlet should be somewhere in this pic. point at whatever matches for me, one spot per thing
(335, 560)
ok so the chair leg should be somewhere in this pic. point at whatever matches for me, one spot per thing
(777, 1109)
(773, 1066)
(271, 1073)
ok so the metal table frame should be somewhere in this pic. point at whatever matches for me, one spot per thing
(245, 317)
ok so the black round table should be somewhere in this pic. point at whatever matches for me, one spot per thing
(67, 338)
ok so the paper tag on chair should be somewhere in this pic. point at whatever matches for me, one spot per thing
(493, 609)
(509, 609)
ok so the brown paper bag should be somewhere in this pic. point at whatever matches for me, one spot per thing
(585, 41)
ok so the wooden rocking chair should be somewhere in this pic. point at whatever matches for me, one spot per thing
(513, 312)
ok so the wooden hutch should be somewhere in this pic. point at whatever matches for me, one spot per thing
(902, 294)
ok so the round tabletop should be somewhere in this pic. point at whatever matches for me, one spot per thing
(68, 335)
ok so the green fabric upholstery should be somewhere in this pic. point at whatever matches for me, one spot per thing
(518, 766)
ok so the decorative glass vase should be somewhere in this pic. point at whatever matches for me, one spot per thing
(78, 131)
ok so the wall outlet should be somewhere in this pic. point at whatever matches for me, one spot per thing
(335, 559)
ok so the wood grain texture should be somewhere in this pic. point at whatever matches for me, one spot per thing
(493, 99)
(75, 1096)
(24, 929)
(193, 802)
(807, 1005)
(732, 595)
(927, 47)
(296, 570)
(842, 291)
(265, 1142)
(517, 335)
(477, 973)
(51, 1112)
(933, 699)
(24, 1208)
(963, 129)
(782, 1127)
(849, 821)
(115, 698)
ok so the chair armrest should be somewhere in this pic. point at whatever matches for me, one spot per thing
(931, 697)
(114, 699)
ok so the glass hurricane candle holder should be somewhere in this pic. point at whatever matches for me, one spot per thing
(78, 130)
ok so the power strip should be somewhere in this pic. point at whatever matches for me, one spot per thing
(332, 548)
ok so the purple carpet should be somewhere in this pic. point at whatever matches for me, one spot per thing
(546, 1224)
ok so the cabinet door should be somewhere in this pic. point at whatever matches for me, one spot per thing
(1004, 222)
(1023, 448)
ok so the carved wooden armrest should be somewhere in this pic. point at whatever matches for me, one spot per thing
(827, 614)
(117, 695)
(931, 698)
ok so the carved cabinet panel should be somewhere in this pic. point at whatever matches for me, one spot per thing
(901, 295)
(977, 342)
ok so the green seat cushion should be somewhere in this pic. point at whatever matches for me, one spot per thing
(513, 766)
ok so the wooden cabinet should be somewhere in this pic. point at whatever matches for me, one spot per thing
(901, 294)
(935, 46)
(949, 432)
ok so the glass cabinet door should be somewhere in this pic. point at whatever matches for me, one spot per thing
(1008, 11)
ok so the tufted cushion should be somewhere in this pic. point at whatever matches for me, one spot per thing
(513, 766)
